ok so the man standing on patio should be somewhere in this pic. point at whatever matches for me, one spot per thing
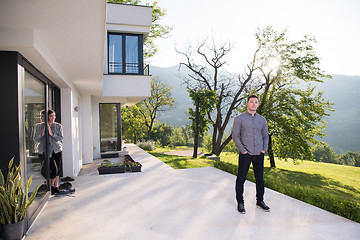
(251, 137)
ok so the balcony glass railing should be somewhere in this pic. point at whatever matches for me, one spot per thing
(130, 68)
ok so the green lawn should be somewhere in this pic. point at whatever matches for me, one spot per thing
(340, 180)
(335, 188)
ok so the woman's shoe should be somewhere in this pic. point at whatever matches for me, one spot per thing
(54, 190)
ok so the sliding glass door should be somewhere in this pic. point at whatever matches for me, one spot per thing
(34, 101)
(110, 127)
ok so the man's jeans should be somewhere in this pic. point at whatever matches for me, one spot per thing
(258, 166)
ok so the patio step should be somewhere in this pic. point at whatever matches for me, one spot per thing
(110, 155)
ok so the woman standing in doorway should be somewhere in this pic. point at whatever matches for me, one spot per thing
(55, 149)
(55, 146)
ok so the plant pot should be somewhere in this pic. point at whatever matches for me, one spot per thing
(12, 231)
(111, 170)
(135, 168)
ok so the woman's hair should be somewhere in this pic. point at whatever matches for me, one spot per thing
(50, 111)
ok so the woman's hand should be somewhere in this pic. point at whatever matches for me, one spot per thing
(49, 129)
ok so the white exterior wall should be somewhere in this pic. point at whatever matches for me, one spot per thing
(87, 126)
(95, 130)
(120, 18)
(72, 157)
(69, 46)
(115, 85)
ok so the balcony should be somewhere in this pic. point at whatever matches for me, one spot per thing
(133, 88)
(128, 68)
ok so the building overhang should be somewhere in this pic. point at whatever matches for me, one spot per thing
(128, 89)
(120, 18)
(63, 39)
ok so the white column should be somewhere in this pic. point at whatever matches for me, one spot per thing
(86, 122)
(96, 129)
(66, 117)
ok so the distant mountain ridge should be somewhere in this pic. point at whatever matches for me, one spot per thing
(343, 128)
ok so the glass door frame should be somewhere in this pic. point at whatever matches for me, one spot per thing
(118, 128)
(53, 103)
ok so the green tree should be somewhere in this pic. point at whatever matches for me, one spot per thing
(177, 138)
(156, 31)
(324, 153)
(357, 160)
(204, 101)
(133, 126)
(160, 100)
(294, 113)
(207, 141)
(205, 62)
(188, 134)
(162, 133)
(350, 158)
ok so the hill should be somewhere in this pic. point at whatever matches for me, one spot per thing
(343, 128)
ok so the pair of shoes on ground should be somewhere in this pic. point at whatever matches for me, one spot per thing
(259, 204)
(58, 192)
(65, 185)
(67, 179)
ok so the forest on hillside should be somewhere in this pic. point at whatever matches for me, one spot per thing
(343, 125)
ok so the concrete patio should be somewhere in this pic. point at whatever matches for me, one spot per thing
(163, 203)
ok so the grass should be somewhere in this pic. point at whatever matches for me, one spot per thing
(335, 188)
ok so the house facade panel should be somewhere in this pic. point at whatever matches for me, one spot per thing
(54, 55)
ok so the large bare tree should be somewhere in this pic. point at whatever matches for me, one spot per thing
(230, 88)
(274, 73)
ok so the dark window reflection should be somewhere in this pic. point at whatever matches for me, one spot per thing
(108, 127)
(34, 104)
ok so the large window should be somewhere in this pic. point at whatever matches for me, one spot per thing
(39, 96)
(125, 54)
(110, 127)
(34, 104)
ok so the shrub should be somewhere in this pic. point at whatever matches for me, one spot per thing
(207, 142)
(147, 146)
(230, 147)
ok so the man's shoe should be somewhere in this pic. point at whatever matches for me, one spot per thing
(241, 208)
(263, 206)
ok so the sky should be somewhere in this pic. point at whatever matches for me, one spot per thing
(334, 23)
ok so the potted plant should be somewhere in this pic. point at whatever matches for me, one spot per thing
(134, 166)
(131, 165)
(14, 202)
(106, 167)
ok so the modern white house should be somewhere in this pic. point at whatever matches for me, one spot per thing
(82, 58)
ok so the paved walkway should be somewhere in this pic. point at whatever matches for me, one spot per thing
(163, 203)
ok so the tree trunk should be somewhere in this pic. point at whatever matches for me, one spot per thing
(149, 135)
(196, 134)
(271, 153)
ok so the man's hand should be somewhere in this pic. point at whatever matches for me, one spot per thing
(263, 151)
(245, 152)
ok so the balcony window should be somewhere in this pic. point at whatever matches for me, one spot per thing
(125, 54)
